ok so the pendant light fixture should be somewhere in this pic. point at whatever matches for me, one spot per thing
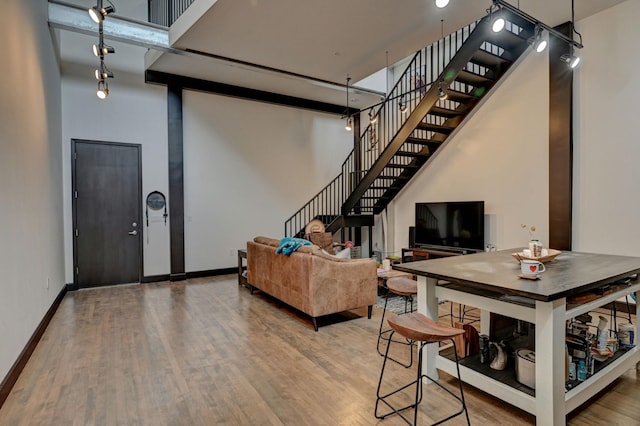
(372, 118)
(402, 105)
(571, 58)
(349, 124)
(442, 95)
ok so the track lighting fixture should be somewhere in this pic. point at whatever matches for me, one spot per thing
(372, 118)
(349, 124)
(402, 105)
(537, 41)
(442, 3)
(98, 13)
(103, 89)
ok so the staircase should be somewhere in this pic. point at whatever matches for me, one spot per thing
(465, 65)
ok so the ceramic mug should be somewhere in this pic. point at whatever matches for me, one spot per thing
(531, 267)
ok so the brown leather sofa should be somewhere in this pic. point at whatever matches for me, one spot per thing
(310, 280)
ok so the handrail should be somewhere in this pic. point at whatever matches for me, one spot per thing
(423, 70)
(326, 203)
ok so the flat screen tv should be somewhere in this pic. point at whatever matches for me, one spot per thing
(451, 225)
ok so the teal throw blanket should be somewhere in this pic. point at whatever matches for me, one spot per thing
(288, 245)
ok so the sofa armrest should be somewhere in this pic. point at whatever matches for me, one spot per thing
(338, 285)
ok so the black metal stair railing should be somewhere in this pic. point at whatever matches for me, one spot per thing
(324, 206)
(166, 12)
(423, 70)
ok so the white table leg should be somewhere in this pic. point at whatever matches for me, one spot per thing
(428, 305)
(485, 321)
(550, 362)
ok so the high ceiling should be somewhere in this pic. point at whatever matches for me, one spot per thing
(322, 40)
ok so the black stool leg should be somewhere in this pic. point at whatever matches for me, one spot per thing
(381, 332)
(382, 398)
(384, 311)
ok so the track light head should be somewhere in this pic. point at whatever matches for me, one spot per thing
(571, 59)
(103, 74)
(103, 89)
(539, 44)
(498, 24)
(102, 49)
(442, 3)
(98, 15)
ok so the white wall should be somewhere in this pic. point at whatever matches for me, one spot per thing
(606, 201)
(248, 167)
(31, 242)
(134, 112)
(500, 156)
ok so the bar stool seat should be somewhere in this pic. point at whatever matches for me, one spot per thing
(419, 328)
(406, 288)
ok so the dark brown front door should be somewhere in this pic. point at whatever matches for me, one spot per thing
(107, 194)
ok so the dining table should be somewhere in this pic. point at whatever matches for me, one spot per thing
(491, 282)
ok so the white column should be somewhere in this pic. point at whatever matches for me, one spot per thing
(550, 362)
(428, 305)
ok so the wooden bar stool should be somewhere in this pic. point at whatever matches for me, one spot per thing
(419, 328)
(406, 288)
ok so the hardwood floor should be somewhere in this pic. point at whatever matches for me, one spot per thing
(205, 351)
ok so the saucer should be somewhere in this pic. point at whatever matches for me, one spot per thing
(529, 277)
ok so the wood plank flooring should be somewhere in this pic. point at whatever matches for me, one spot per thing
(206, 352)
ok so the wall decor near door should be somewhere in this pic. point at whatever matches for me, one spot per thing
(107, 213)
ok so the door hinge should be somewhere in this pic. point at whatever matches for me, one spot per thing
(77, 271)
(75, 194)
(75, 155)
(76, 232)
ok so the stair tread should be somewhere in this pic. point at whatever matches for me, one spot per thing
(411, 154)
(436, 128)
(488, 59)
(473, 79)
(419, 141)
(445, 112)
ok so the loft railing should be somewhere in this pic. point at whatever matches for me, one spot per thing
(166, 12)
(423, 70)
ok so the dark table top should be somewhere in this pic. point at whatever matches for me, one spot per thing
(570, 273)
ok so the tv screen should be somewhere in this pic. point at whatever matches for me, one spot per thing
(458, 225)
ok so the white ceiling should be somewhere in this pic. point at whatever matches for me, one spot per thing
(324, 40)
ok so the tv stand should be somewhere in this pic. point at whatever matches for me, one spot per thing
(425, 253)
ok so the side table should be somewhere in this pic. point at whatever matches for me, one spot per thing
(242, 268)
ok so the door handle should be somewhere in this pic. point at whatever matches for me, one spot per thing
(134, 232)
